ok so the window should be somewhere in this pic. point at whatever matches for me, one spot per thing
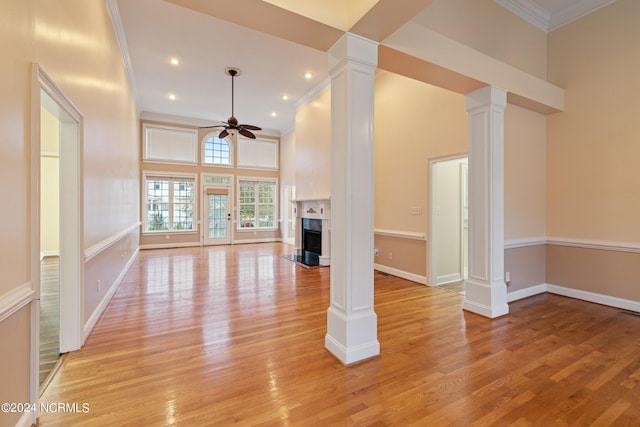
(257, 153)
(257, 203)
(216, 151)
(165, 144)
(170, 203)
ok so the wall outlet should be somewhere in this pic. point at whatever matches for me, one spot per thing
(376, 251)
(390, 255)
(99, 285)
(507, 278)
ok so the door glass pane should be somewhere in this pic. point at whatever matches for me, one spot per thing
(217, 216)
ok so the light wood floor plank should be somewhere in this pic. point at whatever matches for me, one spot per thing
(234, 335)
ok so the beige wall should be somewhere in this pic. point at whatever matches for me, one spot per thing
(602, 272)
(491, 29)
(49, 184)
(313, 148)
(525, 139)
(527, 266)
(593, 150)
(414, 122)
(74, 44)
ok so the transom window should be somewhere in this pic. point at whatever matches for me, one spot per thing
(257, 201)
(216, 151)
(170, 203)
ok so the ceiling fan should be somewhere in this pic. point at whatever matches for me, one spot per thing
(232, 123)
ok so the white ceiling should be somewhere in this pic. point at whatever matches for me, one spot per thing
(155, 31)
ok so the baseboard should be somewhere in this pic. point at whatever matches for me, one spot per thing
(526, 292)
(266, 240)
(95, 316)
(170, 245)
(402, 274)
(616, 302)
(448, 278)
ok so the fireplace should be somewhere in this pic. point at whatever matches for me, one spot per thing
(311, 241)
(313, 231)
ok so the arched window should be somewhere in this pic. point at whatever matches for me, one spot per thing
(217, 151)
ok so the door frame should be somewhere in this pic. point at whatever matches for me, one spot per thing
(432, 257)
(71, 219)
(205, 205)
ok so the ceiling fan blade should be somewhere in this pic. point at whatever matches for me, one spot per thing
(246, 133)
(250, 127)
(223, 134)
(211, 127)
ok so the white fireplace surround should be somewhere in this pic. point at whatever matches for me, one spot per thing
(314, 209)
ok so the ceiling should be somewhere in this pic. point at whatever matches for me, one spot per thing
(152, 32)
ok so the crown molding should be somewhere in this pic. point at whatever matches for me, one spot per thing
(529, 11)
(118, 29)
(539, 17)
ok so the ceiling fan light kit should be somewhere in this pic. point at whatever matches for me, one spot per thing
(231, 125)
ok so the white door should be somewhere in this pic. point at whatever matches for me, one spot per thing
(217, 216)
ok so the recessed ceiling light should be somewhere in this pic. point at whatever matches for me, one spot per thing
(285, 97)
(308, 76)
(273, 114)
(174, 61)
(172, 97)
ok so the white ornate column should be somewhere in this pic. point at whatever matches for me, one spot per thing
(485, 289)
(352, 325)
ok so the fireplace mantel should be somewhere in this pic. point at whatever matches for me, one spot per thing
(314, 209)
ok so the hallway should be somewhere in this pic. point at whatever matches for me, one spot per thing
(234, 334)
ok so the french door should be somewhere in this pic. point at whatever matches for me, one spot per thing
(217, 216)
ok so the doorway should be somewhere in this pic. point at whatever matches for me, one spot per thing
(56, 224)
(449, 217)
(217, 214)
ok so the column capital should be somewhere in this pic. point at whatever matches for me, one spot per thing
(352, 47)
(488, 95)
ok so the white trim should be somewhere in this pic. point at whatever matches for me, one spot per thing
(523, 243)
(400, 234)
(595, 298)
(118, 29)
(15, 299)
(529, 11)
(539, 17)
(402, 274)
(603, 245)
(312, 94)
(265, 240)
(26, 419)
(55, 252)
(576, 11)
(595, 244)
(170, 245)
(95, 250)
(526, 292)
(445, 279)
(95, 316)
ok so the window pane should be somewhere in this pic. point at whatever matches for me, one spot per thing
(217, 180)
(157, 216)
(216, 151)
(247, 216)
(267, 216)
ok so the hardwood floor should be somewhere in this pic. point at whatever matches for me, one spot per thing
(234, 335)
(49, 315)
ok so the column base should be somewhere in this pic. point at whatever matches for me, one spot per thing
(484, 299)
(352, 338)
